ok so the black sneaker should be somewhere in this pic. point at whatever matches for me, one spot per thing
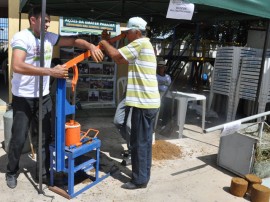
(126, 153)
(126, 161)
(130, 185)
(11, 181)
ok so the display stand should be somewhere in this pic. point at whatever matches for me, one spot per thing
(97, 81)
(96, 84)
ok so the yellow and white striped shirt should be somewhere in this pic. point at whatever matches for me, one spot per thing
(142, 87)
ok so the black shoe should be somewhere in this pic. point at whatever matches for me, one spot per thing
(11, 181)
(126, 153)
(130, 185)
(126, 161)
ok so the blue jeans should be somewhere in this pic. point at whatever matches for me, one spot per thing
(142, 124)
(25, 112)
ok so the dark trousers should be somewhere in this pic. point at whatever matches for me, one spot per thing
(25, 112)
(142, 123)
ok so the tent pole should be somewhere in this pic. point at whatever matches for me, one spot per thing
(20, 21)
(266, 40)
(194, 63)
(42, 34)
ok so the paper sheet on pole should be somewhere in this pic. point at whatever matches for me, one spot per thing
(178, 9)
(231, 127)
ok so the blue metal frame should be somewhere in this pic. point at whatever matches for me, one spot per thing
(71, 168)
(63, 108)
(62, 158)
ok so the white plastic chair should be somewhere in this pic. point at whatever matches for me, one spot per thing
(121, 87)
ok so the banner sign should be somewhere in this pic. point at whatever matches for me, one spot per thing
(179, 9)
(83, 23)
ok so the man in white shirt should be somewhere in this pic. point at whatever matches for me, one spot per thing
(26, 68)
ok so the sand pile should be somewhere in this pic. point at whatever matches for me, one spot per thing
(163, 150)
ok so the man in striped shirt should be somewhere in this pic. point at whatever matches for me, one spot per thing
(142, 95)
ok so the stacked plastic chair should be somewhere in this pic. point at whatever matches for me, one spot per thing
(226, 72)
(248, 83)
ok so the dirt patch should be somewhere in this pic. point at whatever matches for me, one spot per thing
(163, 150)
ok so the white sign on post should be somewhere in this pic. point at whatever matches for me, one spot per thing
(178, 9)
(230, 128)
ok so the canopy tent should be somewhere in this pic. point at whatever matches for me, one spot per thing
(153, 10)
(156, 10)
(258, 8)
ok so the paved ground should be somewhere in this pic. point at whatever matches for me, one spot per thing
(192, 177)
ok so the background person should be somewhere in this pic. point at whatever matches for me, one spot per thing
(164, 82)
(122, 120)
(25, 86)
(142, 95)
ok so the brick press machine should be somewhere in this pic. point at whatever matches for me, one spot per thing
(70, 141)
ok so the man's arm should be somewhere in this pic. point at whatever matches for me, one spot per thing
(112, 52)
(19, 66)
(96, 53)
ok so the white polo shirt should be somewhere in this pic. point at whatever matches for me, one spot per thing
(26, 85)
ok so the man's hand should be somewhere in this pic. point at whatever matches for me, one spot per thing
(96, 53)
(59, 71)
(105, 35)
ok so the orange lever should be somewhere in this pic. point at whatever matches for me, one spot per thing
(75, 77)
(73, 62)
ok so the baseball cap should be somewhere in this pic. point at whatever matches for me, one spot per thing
(161, 63)
(135, 23)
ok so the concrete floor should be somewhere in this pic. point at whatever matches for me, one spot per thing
(194, 176)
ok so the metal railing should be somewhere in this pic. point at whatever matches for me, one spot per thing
(256, 116)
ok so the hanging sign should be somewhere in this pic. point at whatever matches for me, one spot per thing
(85, 26)
(90, 24)
(230, 128)
(178, 9)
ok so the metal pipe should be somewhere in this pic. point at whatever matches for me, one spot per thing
(191, 79)
(74, 102)
(42, 35)
(262, 66)
(20, 19)
(242, 121)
